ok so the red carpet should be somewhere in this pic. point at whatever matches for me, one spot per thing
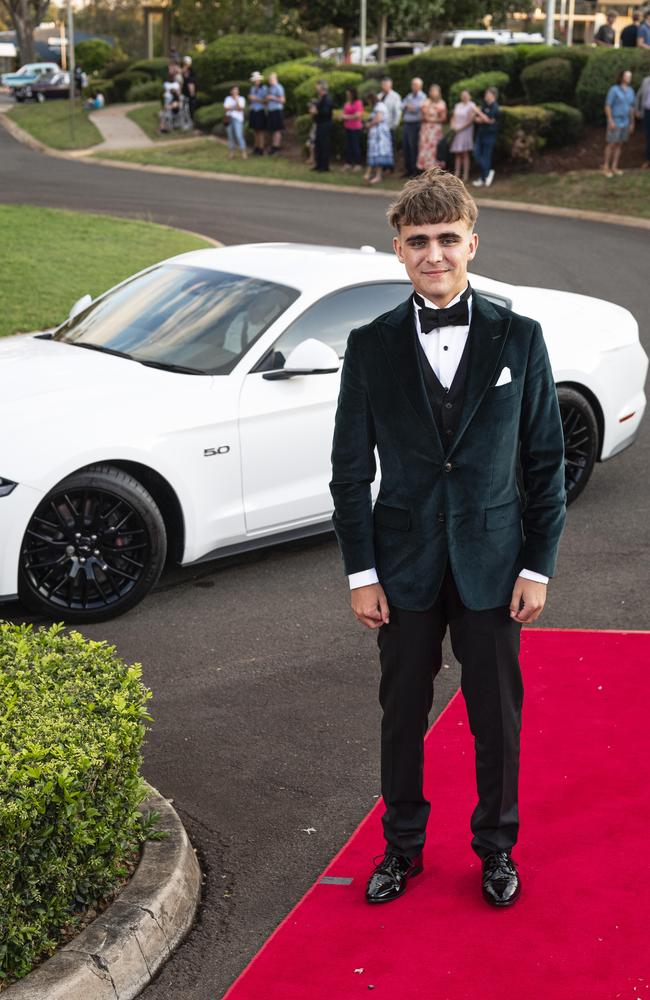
(581, 927)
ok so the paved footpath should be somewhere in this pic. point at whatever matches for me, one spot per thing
(119, 132)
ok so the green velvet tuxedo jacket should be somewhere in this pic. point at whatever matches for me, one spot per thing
(458, 501)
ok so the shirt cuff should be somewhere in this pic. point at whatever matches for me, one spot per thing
(528, 574)
(363, 579)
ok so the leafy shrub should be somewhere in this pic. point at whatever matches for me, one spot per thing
(600, 73)
(154, 69)
(221, 91)
(73, 722)
(567, 124)
(104, 87)
(338, 80)
(116, 66)
(477, 86)
(446, 65)
(123, 82)
(291, 75)
(548, 80)
(93, 54)
(234, 57)
(150, 90)
(576, 56)
(369, 86)
(519, 123)
(208, 117)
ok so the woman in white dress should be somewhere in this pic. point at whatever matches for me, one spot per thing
(380, 143)
(462, 123)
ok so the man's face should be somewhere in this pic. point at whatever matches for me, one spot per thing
(436, 256)
(386, 85)
(416, 85)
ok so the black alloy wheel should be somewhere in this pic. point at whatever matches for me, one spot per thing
(580, 440)
(95, 545)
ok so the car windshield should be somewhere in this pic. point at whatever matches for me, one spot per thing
(181, 317)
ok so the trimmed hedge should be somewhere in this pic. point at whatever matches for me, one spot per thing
(155, 69)
(149, 90)
(445, 66)
(93, 54)
(234, 57)
(123, 82)
(209, 116)
(291, 75)
(567, 124)
(104, 87)
(338, 80)
(548, 80)
(576, 56)
(73, 723)
(477, 86)
(600, 73)
(116, 66)
(531, 121)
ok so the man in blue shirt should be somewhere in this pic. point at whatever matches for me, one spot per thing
(257, 115)
(487, 120)
(643, 34)
(412, 110)
(275, 112)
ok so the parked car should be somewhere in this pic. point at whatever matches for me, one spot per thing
(497, 37)
(189, 411)
(55, 87)
(20, 83)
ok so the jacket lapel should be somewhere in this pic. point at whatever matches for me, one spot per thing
(488, 334)
(397, 334)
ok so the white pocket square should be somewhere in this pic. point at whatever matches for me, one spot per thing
(503, 378)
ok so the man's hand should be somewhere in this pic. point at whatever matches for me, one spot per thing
(369, 605)
(533, 596)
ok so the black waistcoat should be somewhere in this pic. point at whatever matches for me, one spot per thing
(446, 404)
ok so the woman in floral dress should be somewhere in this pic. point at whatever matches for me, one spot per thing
(432, 117)
(462, 122)
(380, 142)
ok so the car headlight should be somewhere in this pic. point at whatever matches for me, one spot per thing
(7, 486)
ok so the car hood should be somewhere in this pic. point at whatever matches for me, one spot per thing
(47, 376)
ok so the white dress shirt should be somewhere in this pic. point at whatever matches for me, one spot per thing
(443, 348)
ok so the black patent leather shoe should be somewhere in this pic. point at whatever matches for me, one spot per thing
(501, 883)
(388, 881)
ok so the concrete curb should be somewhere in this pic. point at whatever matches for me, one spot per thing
(508, 206)
(121, 951)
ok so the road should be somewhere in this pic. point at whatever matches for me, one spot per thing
(265, 708)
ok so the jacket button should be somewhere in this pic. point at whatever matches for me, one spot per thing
(440, 518)
(449, 432)
(449, 406)
(448, 466)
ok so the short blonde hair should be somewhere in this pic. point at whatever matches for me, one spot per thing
(432, 197)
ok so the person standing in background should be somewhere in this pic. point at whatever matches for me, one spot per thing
(412, 117)
(487, 126)
(630, 31)
(234, 105)
(643, 34)
(393, 103)
(321, 109)
(642, 107)
(619, 109)
(257, 112)
(189, 85)
(462, 123)
(606, 36)
(275, 101)
(380, 155)
(434, 115)
(353, 125)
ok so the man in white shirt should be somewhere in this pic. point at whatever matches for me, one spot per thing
(454, 392)
(393, 103)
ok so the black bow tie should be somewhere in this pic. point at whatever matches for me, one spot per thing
(433, 319)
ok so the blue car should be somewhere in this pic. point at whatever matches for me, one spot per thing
(20, 83)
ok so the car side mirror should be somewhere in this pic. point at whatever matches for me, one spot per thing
(80, 305)
(309, 357)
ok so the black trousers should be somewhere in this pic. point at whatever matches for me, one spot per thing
(322, 145)
(410, 140)
(486, 643)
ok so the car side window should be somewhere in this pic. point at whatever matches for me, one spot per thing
(332, 317)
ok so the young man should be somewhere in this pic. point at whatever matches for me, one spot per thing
(453, 391)
(606, 35)
(487, 126)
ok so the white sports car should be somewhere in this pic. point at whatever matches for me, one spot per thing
(189, 411)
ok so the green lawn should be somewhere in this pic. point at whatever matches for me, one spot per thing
(147, 118)
(585, 189)
(50, 258)
(52, 124)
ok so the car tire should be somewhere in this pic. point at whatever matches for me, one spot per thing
(94, 547)
(581, 440)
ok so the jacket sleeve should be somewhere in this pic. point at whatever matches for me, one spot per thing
(542, 460)
(353, 466)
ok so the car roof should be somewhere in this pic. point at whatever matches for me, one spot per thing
(310, 268)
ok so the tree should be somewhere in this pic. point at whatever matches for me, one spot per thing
(25, 16)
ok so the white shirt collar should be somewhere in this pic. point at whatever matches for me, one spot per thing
(432, 305)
